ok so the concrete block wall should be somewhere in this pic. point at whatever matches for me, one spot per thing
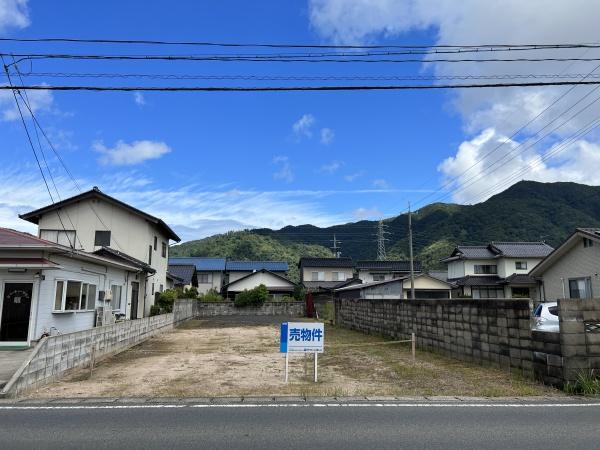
(55, 356)
(490, 331)
(579, 336)
(210, 309)
(547, 357)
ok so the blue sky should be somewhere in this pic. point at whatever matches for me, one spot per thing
(211, 162)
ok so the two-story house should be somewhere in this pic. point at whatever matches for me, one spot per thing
(324, 274)
(236, 270)
(496, 270)
(572, 270)
(209, 273)
(376, 270)
(98, 223)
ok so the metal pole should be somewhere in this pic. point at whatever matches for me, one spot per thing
(286, 366)
(413, 345)
(412, 266)
(316, 366)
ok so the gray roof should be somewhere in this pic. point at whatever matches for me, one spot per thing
(476, 251)
(441, 275)
(117, 255)
(344, 261)
(478, 280)
(390, 266)
(183, 271)
(251, 266)
(522, 249)
(326, 285)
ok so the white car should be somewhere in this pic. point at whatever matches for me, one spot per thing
(545, 317)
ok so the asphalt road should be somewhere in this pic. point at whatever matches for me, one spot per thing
(431, 425)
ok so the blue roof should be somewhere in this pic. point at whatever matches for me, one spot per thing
(202, 264)
(273, 266)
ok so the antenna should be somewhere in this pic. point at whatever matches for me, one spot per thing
(381, 232)
(336, 247)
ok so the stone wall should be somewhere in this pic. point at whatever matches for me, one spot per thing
(547, 357)
(579, 336)
(291, 309)
(55, 356)
(488, 331)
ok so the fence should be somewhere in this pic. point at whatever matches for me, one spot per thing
(55, 356)
(210, 309)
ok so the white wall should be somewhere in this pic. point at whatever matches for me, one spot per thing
(367, 275)
(456, 269)
(216, 282)
(257, 279)
(130, 234)
(507, 267)
(307, 273)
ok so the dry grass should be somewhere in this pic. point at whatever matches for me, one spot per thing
(221, 357)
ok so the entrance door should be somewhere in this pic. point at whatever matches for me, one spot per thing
(16, 306)
(135, 292)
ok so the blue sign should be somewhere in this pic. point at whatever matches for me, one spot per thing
(303, 337)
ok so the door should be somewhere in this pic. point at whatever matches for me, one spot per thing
(16, 306)
(135, 292)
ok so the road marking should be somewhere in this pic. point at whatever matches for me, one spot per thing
(309, 405)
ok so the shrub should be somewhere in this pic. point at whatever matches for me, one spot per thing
(253, 297)
(298, 293)
(166, 299)
(210, 296)
(154, 310)
(189, 293)
(586, 383)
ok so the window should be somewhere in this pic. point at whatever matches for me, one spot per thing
(521, 265)
(338, 276)
(115, 303)
(580, 288)
(485, 269)
(155, 242)
(149, 255)
(588, 242)
(520, 292)
(74, 295)
(205, 278)
(152, 288)
(164, 250)
(62, 237)
(102, 238)
(488, 292)
(318, 276)
(378, 276)
(161, 288)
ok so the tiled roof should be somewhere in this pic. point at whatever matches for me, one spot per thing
(520, 279)
(478, 281)
(113, 254)
(174, 277)
(522, 249)
(441, 275)
(594, 231)
(184, 272)
(476, 251)
(391, 266)
(326, 262)
(15, 238)
(250, 266)
(202, 264)
(326, 285)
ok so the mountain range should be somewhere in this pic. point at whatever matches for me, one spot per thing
(527, 211)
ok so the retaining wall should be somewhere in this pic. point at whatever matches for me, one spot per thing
(291, 309)
(54, 356)
(488, 331)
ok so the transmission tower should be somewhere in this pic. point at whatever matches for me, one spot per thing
(381, 233)
(336, 248)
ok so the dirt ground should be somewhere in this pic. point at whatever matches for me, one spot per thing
(240, 357)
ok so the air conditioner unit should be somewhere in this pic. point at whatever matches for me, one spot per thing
(108, 295)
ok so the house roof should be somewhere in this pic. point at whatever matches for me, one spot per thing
(291, 286)
(251, 266)
(113, 254)
(202, 264)
(441, 275)
(344, 261)
(185, 272)
(391, 265)
(519, 279)
(478, 280)
(522, 249)
(394, 280)
(17, 239)
(28, 263)
(323, 285)
(570, 242)
(174, 277)
(34, 216)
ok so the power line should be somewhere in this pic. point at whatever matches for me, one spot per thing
(298, 88)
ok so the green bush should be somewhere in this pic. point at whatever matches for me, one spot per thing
(586, 383)
(298, 293)
(166, 299)
(253, 297)
(211, 296)
(189, 293)
(154, 310)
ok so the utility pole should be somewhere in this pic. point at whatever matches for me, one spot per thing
(381, 232)
(335, 248)
(412, 264)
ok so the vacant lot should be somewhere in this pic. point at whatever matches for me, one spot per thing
(240, 357)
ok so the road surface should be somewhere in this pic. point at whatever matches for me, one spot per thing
(317, 425)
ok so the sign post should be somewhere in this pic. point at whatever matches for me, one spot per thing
(301, 337)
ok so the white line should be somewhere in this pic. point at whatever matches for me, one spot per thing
(310, 405)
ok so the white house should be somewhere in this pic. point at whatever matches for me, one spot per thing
(376, 270)
(48, 288)
(239, 269)
(277, 285)
(96, 222)
(426, 287)
(209, 272)
(496, 270)
(325, 273)
(572, 270)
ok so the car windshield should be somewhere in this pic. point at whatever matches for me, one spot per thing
(538, 311)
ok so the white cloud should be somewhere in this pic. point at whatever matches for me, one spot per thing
(284, 172)
(327, 136)
(331, 167)
(380, 183)
(353, 176)
(139, 99)
(500, 112)
(303, 126)
(13, 14)
(367, 213)
(38, 101)
(124, 154)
